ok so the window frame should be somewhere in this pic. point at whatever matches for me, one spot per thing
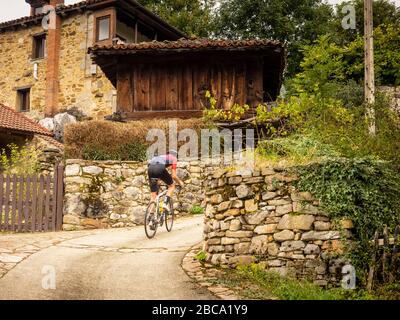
(35, 39)
(37, 10)
(98, 21)
(24, 99)
(98, 16)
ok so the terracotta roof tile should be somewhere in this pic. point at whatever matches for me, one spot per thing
(12, 120)
(187, 45)
(82, 6)
(53, 141)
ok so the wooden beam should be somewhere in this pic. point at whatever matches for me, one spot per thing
(164, 114)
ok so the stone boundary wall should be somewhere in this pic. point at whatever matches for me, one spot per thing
(259, 217)
(103, 194)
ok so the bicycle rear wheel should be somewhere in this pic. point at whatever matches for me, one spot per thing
(150, 221)
(169, 217)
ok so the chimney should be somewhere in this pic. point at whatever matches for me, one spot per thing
(37, 5)
(53, 41)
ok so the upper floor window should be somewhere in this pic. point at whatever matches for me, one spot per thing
(39, 46)
(24, 99)
(38, 10)
(103, 25)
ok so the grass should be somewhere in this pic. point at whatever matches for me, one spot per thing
(252, 282)
(196, 209)
(201, 256)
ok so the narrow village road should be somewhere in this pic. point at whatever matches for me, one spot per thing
(113, 264)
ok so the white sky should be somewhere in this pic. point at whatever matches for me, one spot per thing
(19, 8)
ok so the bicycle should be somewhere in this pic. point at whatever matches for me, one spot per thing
(156, 215)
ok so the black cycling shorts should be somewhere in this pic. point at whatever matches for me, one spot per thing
(158, 172)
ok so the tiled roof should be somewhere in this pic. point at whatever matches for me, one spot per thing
(81, 6)
(53, 141)
(12, 120)
(186, 45)
(39, 17)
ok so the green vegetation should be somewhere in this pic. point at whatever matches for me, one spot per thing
(134, 151)
(295, 22)
(193, 17)
(196, 209)
(201, 256)
(254, 282)
(361, 189)
(19, 160)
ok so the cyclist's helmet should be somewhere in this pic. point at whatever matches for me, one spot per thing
(173, 152)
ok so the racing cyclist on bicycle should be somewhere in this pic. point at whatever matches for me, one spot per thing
(157, 170)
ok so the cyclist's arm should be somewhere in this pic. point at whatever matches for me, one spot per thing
(176, 178)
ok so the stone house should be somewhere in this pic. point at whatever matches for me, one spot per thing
(45, 63)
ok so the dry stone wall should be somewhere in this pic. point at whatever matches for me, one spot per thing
(103, 194)
(259, 217)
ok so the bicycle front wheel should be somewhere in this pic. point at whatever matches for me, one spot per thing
(150, 221)
(169, 217)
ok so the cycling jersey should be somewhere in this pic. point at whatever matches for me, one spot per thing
(167, 160)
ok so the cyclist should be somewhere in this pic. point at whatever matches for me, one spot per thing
(157, 170)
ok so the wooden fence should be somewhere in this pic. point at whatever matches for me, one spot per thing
(32, 203)
(385, 264)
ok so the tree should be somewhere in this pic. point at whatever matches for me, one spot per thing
(327, 64)
(297, 22)
(385, 13)
(193, 17)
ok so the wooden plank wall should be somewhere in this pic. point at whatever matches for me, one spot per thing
(159, 87)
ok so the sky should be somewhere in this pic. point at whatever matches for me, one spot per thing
(19, 8)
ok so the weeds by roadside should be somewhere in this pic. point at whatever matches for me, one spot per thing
(252, 282)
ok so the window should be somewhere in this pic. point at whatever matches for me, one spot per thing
(24, 99)
(38, 10)
(103, 28)
(39, 46)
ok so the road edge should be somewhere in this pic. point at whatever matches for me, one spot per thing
(203, 276)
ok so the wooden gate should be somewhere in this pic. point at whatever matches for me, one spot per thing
(32, 203)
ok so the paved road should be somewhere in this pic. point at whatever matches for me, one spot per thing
(114, 264)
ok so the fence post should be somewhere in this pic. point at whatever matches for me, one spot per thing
(1, 200)
(60, 196)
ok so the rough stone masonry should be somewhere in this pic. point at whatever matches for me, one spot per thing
(102, 194)
(259, 217)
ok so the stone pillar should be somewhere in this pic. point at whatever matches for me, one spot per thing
(53, 62)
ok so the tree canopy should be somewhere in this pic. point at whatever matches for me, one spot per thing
(297, 22)
(193, 17)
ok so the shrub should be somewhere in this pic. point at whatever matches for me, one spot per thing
(103, 140)
(296, 149)
(364, 190)
(19, 160)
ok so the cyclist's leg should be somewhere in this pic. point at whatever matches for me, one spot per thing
(154, 174)
(167, 179)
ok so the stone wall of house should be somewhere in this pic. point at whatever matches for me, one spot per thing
(104, 194)
(259, 216)
(394, 95)
(17, 69)
(82, 84)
